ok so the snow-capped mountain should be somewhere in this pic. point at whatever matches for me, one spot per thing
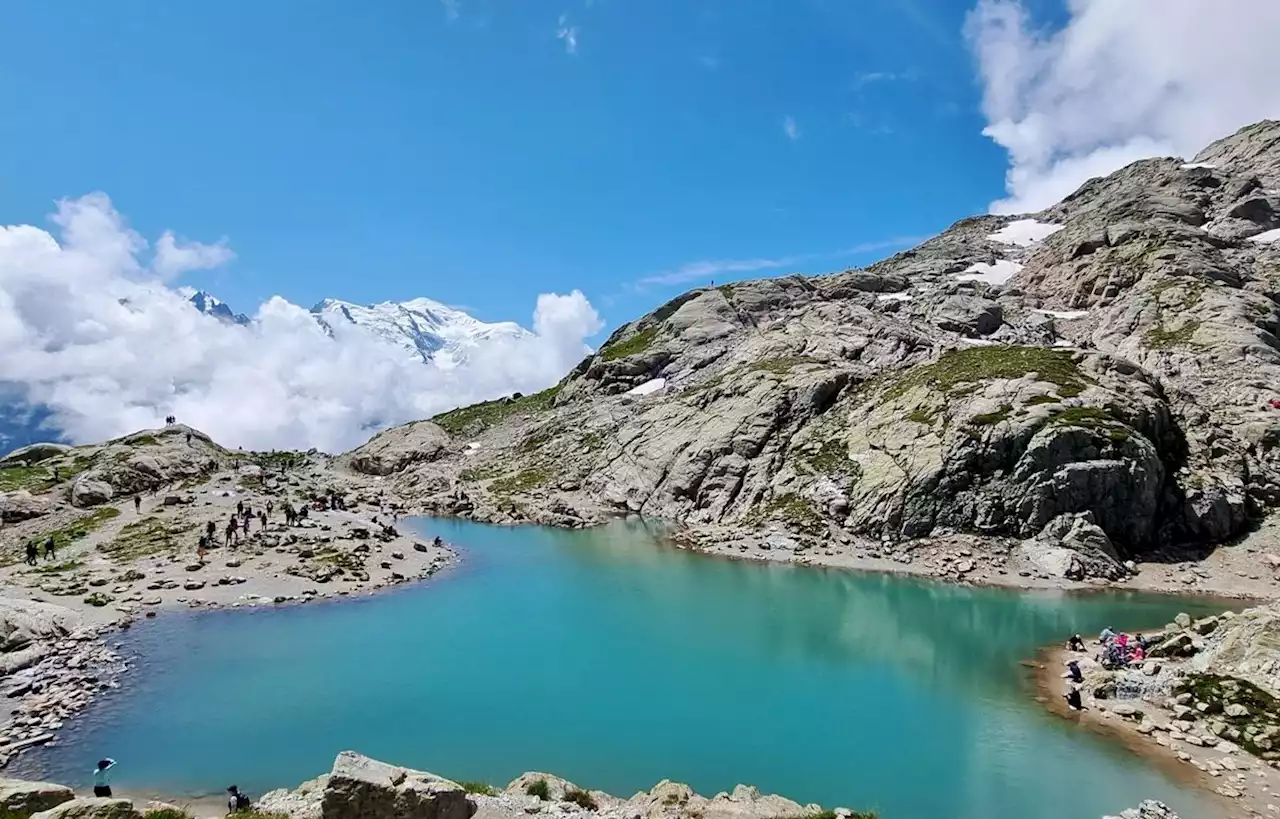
(422, 327)
(211, 306)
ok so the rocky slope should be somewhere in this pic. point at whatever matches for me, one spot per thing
(1080, 387)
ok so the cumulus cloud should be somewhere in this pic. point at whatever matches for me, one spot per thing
(790, 128)
(100, 340)
(568, 34)
(1120, 81)
(175, 257)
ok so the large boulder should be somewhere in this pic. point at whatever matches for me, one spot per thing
(21, 505)
(969, 315)
(20, 798)
(394, 449)
(23, 622)
(1074, 547)
(362, 788)
(92, 807)
(90, 491)
(675, 800)
(34, 454)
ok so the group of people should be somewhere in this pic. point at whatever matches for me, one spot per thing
(237, 801)
(33, 550)
(1118, 650)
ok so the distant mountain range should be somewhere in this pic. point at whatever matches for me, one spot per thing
(427, 330)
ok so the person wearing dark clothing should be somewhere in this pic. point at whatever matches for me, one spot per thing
(1073, 699)
(239, 507)
(50, 548)
(211, 529)
(1073, 672)
(32, 551)
(188, 439)
(137, 503)
(1075, 643)
(237, 802)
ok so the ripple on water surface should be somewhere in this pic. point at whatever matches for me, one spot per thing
(616, 662)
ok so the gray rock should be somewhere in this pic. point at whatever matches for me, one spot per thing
(1235, 709)
(20, 798)
(91, 808)
(16, 507)
(969, 315)
(363, 788)
(90, 492)
(1150, 809)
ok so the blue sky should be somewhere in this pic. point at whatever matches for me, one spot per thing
(466, 152)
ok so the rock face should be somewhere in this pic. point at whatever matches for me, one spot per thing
(92, 808)
(1113, 356)
(87, 491)
(21, 505)
(23, 622)
(20, 798)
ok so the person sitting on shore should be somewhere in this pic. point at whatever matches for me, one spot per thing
(1073, 672)
(1075, 643)
(1073, 699)
(101, 777)
(1108, 634)
(1142, 641)
(237, 802)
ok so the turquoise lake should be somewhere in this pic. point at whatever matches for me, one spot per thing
(614, 661)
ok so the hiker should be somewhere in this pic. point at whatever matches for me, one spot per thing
(102, 777)
(1073, 672)
(32, 551)
(302, 514)
(57, 474)
(232, 532)
(211, 529)
(237, 802)
(262, 518)
(1075, 643)
(188, 439)
(1108, 634)
(437, 542)
(245, 524)
(50, 548)
(1073, 699)
(239, 507)
(270, 506)
(137, 504)
(202, 547)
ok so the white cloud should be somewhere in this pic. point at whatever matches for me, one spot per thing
(451, 9)
(567, 33)
(1119, 82)
(175, 257)
(790, 128)
(89, 332)
(711, 268)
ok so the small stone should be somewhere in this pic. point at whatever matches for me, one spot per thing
(193, 585)
(1235, 709)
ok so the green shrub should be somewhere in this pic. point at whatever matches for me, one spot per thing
(538, 788)
(479, 787)
(580, 798)
(479, 417)
(98, 599)
(168, 813)
(633, 344)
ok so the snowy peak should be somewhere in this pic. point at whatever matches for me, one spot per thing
(422, 327)
(211, 306)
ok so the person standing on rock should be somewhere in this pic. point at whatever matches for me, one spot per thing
(137, 504)
(239, 507)
(102, 778)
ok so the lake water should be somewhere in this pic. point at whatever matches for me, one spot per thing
(609, 659)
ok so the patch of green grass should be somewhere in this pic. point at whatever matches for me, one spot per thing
(923, 415)
(522, 481)
(977, 364)
(479, 787)
(1161, 338)
(1037, 400)
(538, 788)
(145, 537)
(781, 366)
(31, 478)
(142, 440)
(792, 509)
(98, 599)
(832, 458)
(78, 528)
(483, 472)
(987, 419)
(347, 561)
(1097, 419)
(171, 813)
(727, 290)
(1218, 691)
(58, 568)
(479, 417)
(633, 344)
(591, 442)
(580, 798)
(538, 439)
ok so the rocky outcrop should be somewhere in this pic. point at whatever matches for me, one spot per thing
(16, 507)
(19, 798)
(23, 622)
(34, 454)
(88, 491)
(1075, 547)
(362, 788)
(1150, 809)
(1113, 356)
(89, 807)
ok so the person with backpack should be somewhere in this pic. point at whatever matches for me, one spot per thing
(50, 548)
(237, 802)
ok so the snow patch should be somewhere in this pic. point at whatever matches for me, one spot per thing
(1191, 166)
(1266, 238)
(895, 297)
(648, 387)
(997, 273)
(979, 342)
(1065, 315)
(1024, 233)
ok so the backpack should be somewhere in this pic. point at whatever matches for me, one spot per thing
(242, 802)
